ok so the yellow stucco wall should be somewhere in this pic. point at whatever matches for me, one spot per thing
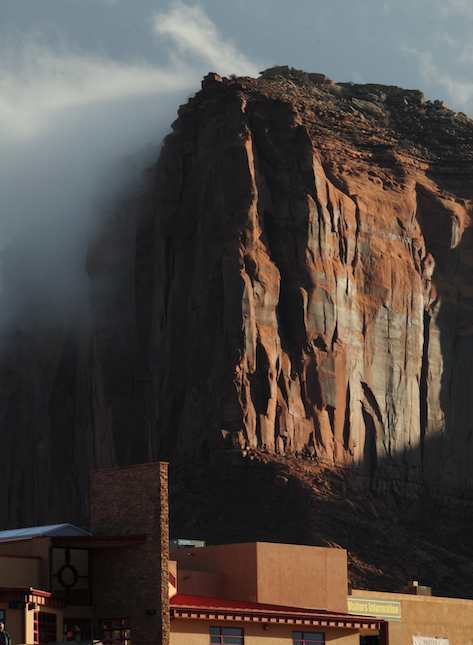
(432, 616)
(16, 571)
(196, 632)
(38, 548)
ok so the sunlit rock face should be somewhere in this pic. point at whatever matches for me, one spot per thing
(296, 277)
(314, 250)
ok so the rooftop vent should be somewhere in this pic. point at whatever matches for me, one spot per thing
(182, 543)
(416, 589)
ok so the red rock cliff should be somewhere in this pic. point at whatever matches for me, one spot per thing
(296, 278)
(314, 252)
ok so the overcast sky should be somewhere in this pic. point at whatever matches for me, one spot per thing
(415, 43)
(87, 83)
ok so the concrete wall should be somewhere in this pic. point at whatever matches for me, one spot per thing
(133, 582)
(428, 616)
(286, 574)
(195, 632)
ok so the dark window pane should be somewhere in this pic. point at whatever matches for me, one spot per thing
(226, 636)
(314, 637)
(308, 638)
(232, 631)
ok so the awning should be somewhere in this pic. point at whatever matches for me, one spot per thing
(34, 532)
(26, 595)
(207, 608)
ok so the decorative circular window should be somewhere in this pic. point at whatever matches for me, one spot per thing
(67, 576)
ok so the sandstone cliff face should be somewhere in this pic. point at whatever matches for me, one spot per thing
(314, 248)
(296, 278)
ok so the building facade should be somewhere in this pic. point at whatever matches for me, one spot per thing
(119, 583)
(64, 583)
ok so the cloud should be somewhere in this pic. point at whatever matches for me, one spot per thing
(458, 90)
(463, 8)
(38, 82)
(70, 122)
(195, 35)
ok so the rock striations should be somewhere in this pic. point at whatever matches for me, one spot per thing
(314, 251)
(295, 280)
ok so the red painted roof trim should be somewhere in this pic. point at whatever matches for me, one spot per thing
(30, 594)
(193, 605)
(26, 590)
(208, 602)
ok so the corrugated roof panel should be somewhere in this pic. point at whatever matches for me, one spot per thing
(50, 530)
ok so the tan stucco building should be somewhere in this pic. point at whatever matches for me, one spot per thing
(268, 593)
(421, 619)
(311, 578)
(117, 583)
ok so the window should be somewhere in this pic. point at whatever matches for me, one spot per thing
(69, 575)
(45, 628)
(226, 636)
(116, 631)
(308, 638)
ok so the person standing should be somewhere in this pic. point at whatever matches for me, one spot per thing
(5, 638)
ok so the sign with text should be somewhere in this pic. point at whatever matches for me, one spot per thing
(428, 640)
(386, 609)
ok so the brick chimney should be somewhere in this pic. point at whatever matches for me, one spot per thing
(131, 582)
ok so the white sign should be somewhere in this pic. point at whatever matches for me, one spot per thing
(429, 640)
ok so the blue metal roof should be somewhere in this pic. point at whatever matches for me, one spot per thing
(50, 530)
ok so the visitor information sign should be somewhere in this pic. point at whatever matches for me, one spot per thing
(380, 608)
